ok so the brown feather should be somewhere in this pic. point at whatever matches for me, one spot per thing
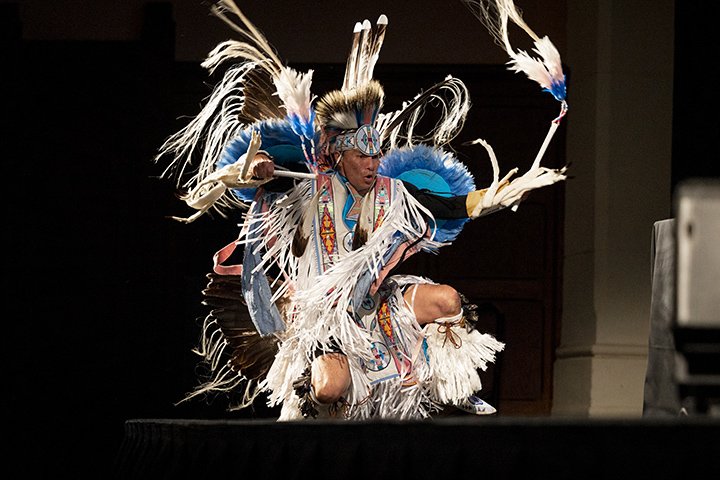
(351, 61)
(304, 228)
(359, 238)
(250, 354)
(364, 225)
(299, 243)
(260, 101)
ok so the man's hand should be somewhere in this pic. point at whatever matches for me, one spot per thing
(262, 167)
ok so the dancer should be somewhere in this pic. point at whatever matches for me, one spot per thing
(337, 194)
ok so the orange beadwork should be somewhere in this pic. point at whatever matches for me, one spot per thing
(327, 231)
(383, 316)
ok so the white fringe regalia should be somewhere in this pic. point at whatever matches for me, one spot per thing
(301, 302)
(322, 315)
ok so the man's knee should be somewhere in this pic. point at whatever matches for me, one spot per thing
(431, 302)
(330, 377)
(447, 301)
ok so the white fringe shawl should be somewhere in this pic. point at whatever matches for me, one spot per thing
(323, 318)
(402, 398)
(322, 304)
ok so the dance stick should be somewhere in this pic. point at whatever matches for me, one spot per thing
(290, 174)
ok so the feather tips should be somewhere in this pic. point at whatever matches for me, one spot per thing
(249, 31)
(364, 53)
(293, 88)
(546, 70)
(352, 60)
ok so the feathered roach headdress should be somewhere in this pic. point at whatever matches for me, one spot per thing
(348, 119)
(351, 117)
(347, 116)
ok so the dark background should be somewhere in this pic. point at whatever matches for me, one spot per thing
(100, 288)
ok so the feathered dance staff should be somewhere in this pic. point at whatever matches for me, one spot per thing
(546, 71)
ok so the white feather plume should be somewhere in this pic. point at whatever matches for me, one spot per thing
(551, 57)
(364, 53)
(293, 88)
(546, 70)
(450, 96)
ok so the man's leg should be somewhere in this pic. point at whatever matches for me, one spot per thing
(330, 376)
(432, 302)
(442, 303)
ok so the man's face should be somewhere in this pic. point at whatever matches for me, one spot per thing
(359, 169)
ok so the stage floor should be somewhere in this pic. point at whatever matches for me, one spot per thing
(486, 447)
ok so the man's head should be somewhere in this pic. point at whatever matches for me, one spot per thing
(359, 169)
(347, 121)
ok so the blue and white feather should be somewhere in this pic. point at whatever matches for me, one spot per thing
(293, 88)
(245, 95)
(279, 139)
(436, 171)
(545, 70)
